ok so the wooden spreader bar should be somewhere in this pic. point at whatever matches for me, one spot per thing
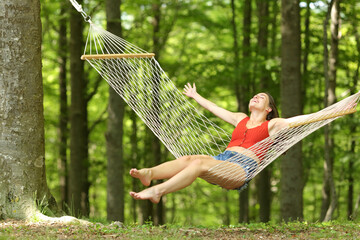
(112, 56)
(337, 114)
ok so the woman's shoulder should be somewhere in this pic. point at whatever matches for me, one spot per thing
(276, 124)
(239, 117)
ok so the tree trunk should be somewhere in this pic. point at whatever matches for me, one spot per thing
(244, 206)
(275, 11)
(134, 162)
(79, 163)
(306, 49)
(64, 115)
(22, 151)
(263, 32)
(147, 207)
(353, 127)
(114, 135)
(291, 200)
(237, 76)
(357, 204)
(329, 191)
(264, 194)
(155, 142)
(325, 189)
(242, 89)
(226, 218)
(263, 180)
(159, 42)
(350, 177)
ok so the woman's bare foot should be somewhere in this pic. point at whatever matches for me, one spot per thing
(144, 175)
(150, 193)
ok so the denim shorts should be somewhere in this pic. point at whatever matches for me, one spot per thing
(247, 163)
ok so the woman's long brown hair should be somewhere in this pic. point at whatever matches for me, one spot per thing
(274, 113)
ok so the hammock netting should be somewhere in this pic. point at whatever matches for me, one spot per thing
(138, 78)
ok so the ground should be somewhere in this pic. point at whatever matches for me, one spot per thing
(11, 229)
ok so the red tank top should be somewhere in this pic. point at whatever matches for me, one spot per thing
(246, 137)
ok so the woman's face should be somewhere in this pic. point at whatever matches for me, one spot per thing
(260, 102)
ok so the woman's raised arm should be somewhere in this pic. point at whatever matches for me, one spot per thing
(278, 124)
(227, 116)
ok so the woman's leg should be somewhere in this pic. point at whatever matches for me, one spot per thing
(165, 170)
(179, 181)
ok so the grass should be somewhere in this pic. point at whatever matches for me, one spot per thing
(12, 229)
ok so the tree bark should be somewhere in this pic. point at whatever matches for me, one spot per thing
(329, 191)
(244, 206)
(237, 76)
(147, 207)
(264, 194)
(114, 135)
(134, 161)
(243, 86)
(353, 127)
(226, 218)
(79, 162)
(64, 113)
(262, 50)
(160, 35)
(155, 146)
(350, 178)
(356, 209)
(263, 180)
(325, 189)
(291, 199)
(306, 49)
(22, 151)
(241, 90)
(275, 11)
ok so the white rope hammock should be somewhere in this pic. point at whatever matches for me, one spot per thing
(138, 78)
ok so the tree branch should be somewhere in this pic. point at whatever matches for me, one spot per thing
(99, 120)
(94, 91)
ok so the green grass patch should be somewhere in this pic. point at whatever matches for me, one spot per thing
(294, 230)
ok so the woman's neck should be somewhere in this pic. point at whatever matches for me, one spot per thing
(257, 118)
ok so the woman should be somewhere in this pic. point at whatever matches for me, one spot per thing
(262, 122)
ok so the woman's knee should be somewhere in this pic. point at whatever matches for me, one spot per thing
(188, 158)
(199, 164)
(197, 161)
(185, 159)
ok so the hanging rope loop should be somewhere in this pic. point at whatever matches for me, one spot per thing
(78, 7)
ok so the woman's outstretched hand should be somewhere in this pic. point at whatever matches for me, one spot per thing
(189, 90)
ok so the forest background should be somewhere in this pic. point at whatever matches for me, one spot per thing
(231, 50)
